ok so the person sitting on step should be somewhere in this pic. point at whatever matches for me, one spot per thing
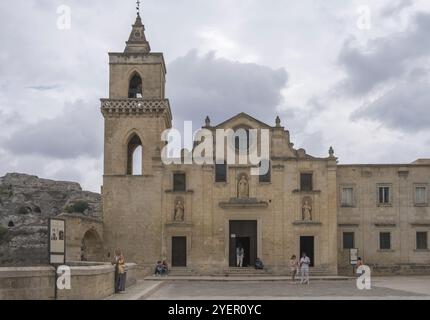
(158, 269)
(259, 264)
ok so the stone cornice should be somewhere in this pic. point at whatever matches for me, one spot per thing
(307, 192)
(135, 107)
(176, 224)
(307, 223)
(346, 224)
(179, 192)
(420, 224)
(385, 225)
(243, 203)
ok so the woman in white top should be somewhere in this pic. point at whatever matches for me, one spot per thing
(304, 268)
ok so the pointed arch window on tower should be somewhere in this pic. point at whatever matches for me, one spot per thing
(135, 89)
(134, 156)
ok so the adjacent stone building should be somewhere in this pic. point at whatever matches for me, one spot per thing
(194, 216)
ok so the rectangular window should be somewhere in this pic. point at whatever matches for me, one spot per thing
(422, 243)
(179, 182)
(347, 197)
(306, 182)
(420, 195)
(385, 241)
(221, 172)
(348, 240)
(384, 195)
(265, 177)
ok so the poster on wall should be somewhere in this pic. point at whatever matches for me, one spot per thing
(57, 241)
(353, 256)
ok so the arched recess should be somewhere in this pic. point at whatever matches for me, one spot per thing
(134, 155)
(91, 247)
(135, 86)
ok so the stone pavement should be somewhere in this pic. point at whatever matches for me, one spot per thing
(241, 278)
(139, 291)
(398, 288)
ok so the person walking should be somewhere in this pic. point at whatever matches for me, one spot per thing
(294, 267)
(240, 252)
(304, 268)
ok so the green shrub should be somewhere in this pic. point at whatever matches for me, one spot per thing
(77, 207)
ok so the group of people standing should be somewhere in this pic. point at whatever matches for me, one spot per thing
(296, 265)
(301, 266)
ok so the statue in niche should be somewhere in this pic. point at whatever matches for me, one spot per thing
(179, 211)
(307, 209)
(243, 187)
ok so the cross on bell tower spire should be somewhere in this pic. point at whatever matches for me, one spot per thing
(138, 7)
(137, 42)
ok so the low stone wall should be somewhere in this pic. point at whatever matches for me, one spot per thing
(401, 269)
(27, 283)
(89, 281)
(391, 270)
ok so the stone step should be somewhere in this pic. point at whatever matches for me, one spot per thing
(248, 271)
(179, 271)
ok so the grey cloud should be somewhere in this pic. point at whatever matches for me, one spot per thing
(206, 85)
(396, 7)
(44, 87)
(384, 58)
(406, 107)
(76, 132)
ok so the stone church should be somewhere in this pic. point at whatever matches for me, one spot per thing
(194, 216)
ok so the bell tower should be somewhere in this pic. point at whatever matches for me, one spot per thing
(135, 115)
(136, 110)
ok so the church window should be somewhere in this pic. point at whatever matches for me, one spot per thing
(221, 172)
(135, 87)
(348, 240)
(242, 140)
(420, 195)
(347, 197)
(385, 241)
(306, 182)
(266, 177)
(384, 195)
(422, 243)
(179, 182)
(134, 156)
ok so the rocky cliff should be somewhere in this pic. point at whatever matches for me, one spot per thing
(26, 203)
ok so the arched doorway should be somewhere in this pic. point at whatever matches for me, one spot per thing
(91, 246)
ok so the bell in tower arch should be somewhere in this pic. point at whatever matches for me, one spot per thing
(135, 89)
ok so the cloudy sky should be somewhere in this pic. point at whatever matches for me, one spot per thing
(351, 74)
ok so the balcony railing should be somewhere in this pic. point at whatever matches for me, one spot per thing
(114, 107)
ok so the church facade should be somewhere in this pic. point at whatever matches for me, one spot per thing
(194, 216)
